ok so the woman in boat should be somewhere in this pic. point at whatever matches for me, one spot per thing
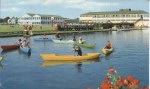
(108, 45)
(25, 43)
(78, 50)
(81, 41)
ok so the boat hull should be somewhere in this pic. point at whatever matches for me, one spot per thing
(107, 51)
(25, 49)
(9, 47)
(69, 57)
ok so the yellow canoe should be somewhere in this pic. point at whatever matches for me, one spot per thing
(67, 57)
(107, 51)
(55, 63)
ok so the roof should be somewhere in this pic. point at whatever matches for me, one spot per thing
(116, 12)
(43, 15)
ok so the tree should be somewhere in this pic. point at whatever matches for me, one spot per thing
(1, 20)
(6, 19)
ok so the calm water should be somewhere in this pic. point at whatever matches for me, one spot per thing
(130, 57)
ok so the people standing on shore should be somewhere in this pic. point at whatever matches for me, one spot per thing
(30, 30)
(25, 29)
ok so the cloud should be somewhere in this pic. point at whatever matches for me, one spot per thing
(30, 2)
(75, 1)
(92, 5)
(47, 2)
(11, 9)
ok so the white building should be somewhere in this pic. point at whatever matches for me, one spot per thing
(123, 15)
(12, 20)
(38, 19)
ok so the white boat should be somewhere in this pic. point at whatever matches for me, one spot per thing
(63, 41)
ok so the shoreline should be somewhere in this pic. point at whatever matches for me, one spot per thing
(21, 33)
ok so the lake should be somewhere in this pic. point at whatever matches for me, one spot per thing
(22, 71)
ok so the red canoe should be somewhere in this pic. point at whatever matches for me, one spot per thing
(9, 47)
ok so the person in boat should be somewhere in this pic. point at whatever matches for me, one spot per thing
(78, 50)
(58, 36)
(19, 42)
(25, 43)
(45, 37)
(108, 45)
(74, 38)
(81, 40)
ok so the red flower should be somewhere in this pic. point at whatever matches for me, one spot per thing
(130, 78)
(110, 69)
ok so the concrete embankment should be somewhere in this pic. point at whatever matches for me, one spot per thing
(49, 32)
(21, 33)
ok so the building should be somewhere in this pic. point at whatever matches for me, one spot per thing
(38, 19)
(13, 20)
(137, 17)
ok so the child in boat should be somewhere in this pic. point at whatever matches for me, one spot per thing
(108, 45)
(78, 50)
(81, 41)
(19, 42)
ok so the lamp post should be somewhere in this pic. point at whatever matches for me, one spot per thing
(142, 20)
(52, 19)
(0, 8)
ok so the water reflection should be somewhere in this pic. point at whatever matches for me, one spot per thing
(13, 50)
(26, 54)
(78, 67)
(78, 62)
(107, 56)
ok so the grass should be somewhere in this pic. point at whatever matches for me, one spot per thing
(20, 28)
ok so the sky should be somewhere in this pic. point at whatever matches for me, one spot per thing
(67, 8)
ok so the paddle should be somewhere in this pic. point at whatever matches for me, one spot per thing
(1, 58)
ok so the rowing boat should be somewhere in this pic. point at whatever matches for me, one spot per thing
(25, 49)
(63, 41)
(55, 63)
(9, 47)
(68, 57)
(85, 45)
(107, 51)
